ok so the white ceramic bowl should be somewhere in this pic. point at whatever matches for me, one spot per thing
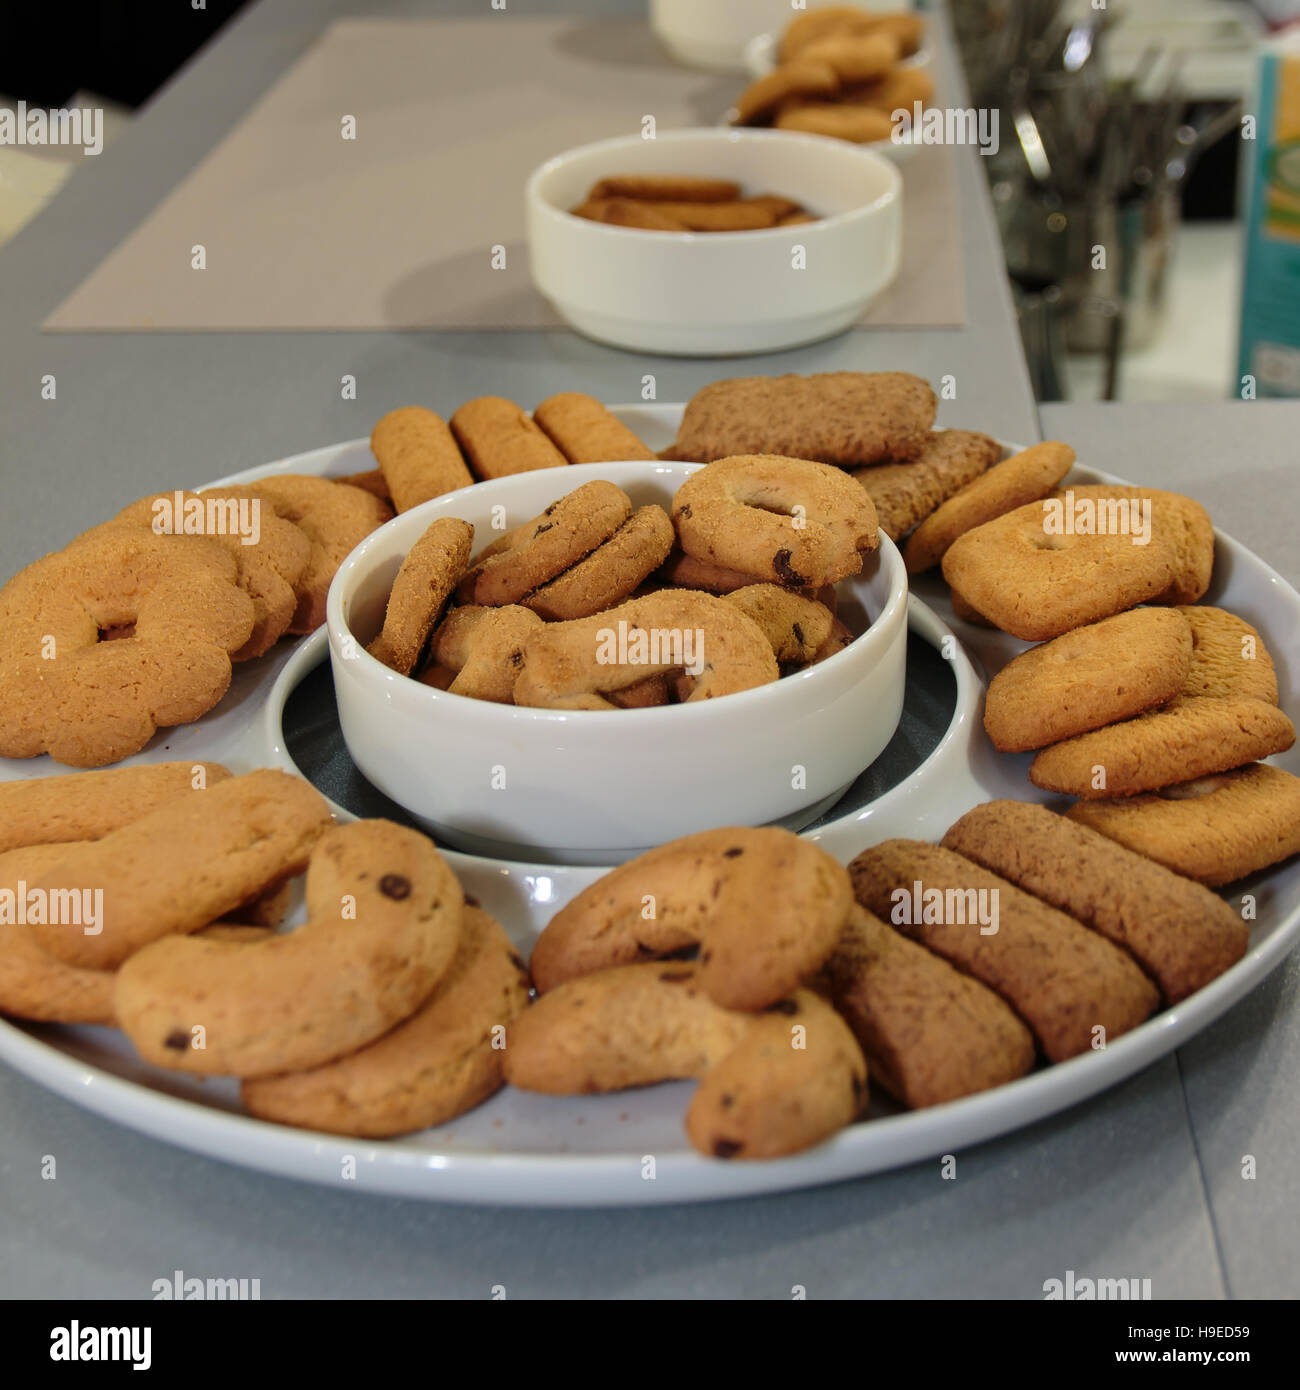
(715, 293)
(595, 786)
(712, 34)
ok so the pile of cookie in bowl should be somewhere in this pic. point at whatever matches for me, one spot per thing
(747, 958)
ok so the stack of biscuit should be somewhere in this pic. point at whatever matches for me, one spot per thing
(840, 73)
(684, 203)
(749, 559)
(385, 1012)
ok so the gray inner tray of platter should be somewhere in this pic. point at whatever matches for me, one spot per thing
(315, 742)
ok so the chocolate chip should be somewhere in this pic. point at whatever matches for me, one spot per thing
(726, 1148)
(395, 886)
(781, 564)
(177, 1041)
(859, 1090)
(783, 1006)
(549, 526)
(516, 657)
(685, 511)
(470, 901)
(798, 633)
(518, 962)
(675, 977)
(726, 1100)
(733, 853)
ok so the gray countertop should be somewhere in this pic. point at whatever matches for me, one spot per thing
(1142, 1181)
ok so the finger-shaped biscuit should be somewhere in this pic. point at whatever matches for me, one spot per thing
(906, 493)
(87, 805)
(271, 552)
(930, 1034)
(1088, 678)
(611, 572)
(500, 439)
(786, 520)
(417, 456)
(627, 212)
(1180, 933)
(845, 418)
(574, 665)
(485, 648)
(742, 215)
(384, 923)
(797, 627)
(761, 98)
(586, 432)
(1214, 830)
(672, 188)
(765, 907)
(1035, 582)
(443, 1060)
(1181, 741)
(428, 576)
(542, 549)
(863, 125)
(854, 57)
(1064, 981)
(184, 864)
(771, 1083)
(1017, 481)
(1228, 657)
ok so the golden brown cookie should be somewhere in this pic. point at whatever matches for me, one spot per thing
(690, 572)
(771, 1083)
(384, 916)
(1215, 830)
(786, 520)
(797, 627)
(906, 493)
(500, 439)
(271, 553)
(930, 1034)
(428, 576)
(87, 805)
(1179, 521)
(643, 694)
(484, 647)
(1180, 933)
(417, 456)
(1229, 657)
(860, 124)
(762, 97)
(1088, 678)
(966, 612)
(820, 22)
(372, 481)
(1036, 584)
(442, 1061)
(184, 864)
(845, 418)
(839, 638)
(743, 215)
(1017, 481)
(899, 90)
(854, 57)
(89, 702)
(671, 188)
(1183, 740)
(578, 664)
(586, 432)
(1073, 988)
(627, 212)
(336, 518)
(611, 573)
(542, 549)
(765, 906)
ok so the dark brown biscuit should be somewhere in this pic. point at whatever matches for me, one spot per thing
(1180, 933)
(500, 439)
(930, 1033)
(1215, 830)
(906, 493)
(1088, 678)
(1183, 740)
(844, 418)
(417, 456)
(1070, 985)
(427, 578)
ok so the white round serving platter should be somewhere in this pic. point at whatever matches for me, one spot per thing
(531, 1150)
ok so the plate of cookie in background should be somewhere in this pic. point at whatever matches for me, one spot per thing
(842, 72)
(1053, 887)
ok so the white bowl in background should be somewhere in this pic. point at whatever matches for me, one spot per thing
(716, 293)
(712, 34)
(592, 786)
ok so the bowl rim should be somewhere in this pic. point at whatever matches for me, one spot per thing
(353, 571)
(893, 192)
